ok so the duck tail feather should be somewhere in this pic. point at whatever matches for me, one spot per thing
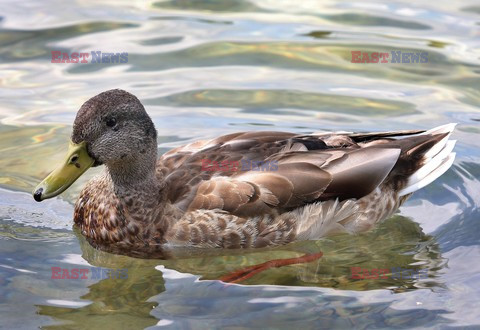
(436, 161)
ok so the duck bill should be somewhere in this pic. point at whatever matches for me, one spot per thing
(74, 165)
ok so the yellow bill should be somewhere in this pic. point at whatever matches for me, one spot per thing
(74, 165)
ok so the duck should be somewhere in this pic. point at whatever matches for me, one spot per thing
(243, 190)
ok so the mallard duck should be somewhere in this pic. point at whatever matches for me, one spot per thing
(315, 185)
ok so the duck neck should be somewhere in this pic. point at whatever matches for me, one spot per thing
(136, 175)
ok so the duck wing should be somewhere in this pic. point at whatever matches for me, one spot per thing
(301, 178)
(308, 168)
(181, 168)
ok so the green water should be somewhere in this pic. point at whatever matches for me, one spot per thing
(205, 68)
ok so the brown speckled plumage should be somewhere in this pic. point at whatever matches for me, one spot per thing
(325, 184)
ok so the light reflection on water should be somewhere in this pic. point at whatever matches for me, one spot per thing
(205, 68)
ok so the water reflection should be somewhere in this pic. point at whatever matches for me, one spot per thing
(398, 243)
(209, 5)
(272, 101)
(22, 45)
(202, 305)
(113, 303)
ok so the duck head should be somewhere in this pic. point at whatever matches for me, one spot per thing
(111, 128)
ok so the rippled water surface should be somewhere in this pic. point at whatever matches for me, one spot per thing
(205, 68)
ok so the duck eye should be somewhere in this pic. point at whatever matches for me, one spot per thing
(111, 122)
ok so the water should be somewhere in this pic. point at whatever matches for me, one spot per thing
(205, 68)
